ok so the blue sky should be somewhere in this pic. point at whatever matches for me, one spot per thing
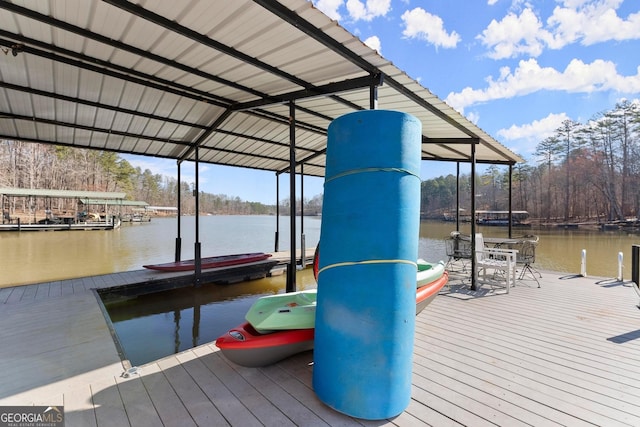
(515, 68)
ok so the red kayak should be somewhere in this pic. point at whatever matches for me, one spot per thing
(210, 262)
(425, 294)
(245, 346)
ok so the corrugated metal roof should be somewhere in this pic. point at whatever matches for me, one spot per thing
(159, 78)
(72, 194)
(113, 202)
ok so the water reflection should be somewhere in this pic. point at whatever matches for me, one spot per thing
(153, 326)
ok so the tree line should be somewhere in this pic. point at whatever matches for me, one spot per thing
(583, 172)
(46, 166)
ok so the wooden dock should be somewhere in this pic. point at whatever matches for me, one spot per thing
(62, 226)
(564, 354)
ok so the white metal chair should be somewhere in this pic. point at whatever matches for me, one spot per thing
(501, 261)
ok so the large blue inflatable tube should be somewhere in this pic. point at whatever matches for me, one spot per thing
(365, 317)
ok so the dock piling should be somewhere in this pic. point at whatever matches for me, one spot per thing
(583, 263)
(620, 265)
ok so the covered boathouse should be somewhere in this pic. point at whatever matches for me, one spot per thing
(255, 84)
(251, 84)
(28, 209)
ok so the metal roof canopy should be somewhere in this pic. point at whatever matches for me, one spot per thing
(113, 202)
(69, 194)
(162, 78)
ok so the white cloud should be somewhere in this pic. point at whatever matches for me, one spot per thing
(473, 117)
(422, 25)
(369, 9)
(514, 35)
(374, 43)
(529, 77)
(584, 21)
(492, 2)
(536, 130)
(330, 8)
(591, 22)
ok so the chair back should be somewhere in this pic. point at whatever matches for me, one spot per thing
(527, 253)
(479, 247)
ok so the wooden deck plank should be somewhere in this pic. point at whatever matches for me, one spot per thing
(109, 407)
(489, 340)
(78, 285)
(52, 340)
(490, 388)
(567, 334)
(167, 403)
(4, 294)
(535, 390)
(15, 295)
(43, 291)
(252, 398)
(100, 281)
(559, 345)
(78, 407)
(419, 414)
(309, 407)
(453, 406)
(55, 289)
(229, 405)
(88, 283)
(200, 408)
(67, 287)
(568, 370)
(141, 411)
(29, 292)
(300, 368)
(481, 396)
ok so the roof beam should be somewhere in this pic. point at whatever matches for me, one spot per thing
(122, 46)
(139, 52)
(443, 143)
(73, 100)
(296, 21)
(424, 104)
(478, 161)
(79, 60)
(161, 21)
(64, 144)
(127, 74)
(87, 128)
(206, 41)
(316, 91)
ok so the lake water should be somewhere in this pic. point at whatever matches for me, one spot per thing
(152, 326)
(33, 257)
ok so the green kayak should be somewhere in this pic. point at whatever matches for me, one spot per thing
(293, 310)
(428, 272)
(297, 310)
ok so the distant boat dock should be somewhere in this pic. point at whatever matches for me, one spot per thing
(49, 210)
